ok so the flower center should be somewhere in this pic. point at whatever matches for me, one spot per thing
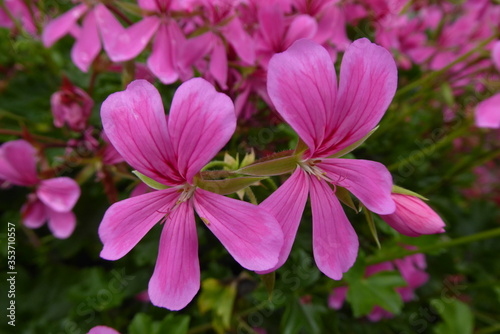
(309, 166)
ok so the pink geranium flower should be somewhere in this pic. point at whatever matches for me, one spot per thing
(172, 152)
(71, 106)
(302, 85)
(52, 200)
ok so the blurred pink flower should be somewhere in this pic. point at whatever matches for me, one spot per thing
(53, 198)
(302, 85)
(71, 106)
(413, 217)
(19, 11)
(487, 113)
(172, 152)
(103, 330)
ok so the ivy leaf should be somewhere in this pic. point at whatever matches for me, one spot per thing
(174, 324)
(300, 317)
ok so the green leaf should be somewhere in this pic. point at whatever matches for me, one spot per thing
(271, 167)
(141, 324)
(150, 182)
(400, 190)
(372, 227)
(269, 279)
(301, 147)
(302, 318)
(220, 299)
(345, 197)
(457, 317)
(174, 324)
(379, 289)
(227, 186)
(352, 147)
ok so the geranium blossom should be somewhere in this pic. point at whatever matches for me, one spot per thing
(302, 85)
(172, 152)
(53, 198)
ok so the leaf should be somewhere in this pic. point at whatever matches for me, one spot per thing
(141, 323)
(220, 300)
(150, 182)
(300, 317)
(400, 190)
(379, 289)
(248, 159)
(174, 324)
(227, 186)
(352, 147)
(457, 317)
(372, 227)
(344, 196)
(269, 279)
(271, 167)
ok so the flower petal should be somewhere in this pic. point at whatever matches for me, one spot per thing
(495, 54)
(61, 224)
(18, 163)
(488, 113)
(102, 330)
(124, 44)
(176, 278)
(249, 233)
(368, 81)
(302, 26)
(88, 44)
(241, 41)
(413, 217)
(335, 243)
(287, 205)
(126, 222)
(163, 59)
(201, 122)
(60, 193)
(302, 86)
(62, 25)
(369, 181)
(218, 63)
(33, 213)
(337, 298)
(134, 121)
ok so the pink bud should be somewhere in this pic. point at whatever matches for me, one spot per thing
(71, 105)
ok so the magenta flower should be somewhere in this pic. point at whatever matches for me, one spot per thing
(71, 105)
(302, 85)
(52, 200)
(413, 217)
(103, 330)
(172, 152)
(19, 11)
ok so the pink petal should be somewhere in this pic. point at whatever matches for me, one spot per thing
(134, 121)
(60, 193)
(495, 54)
(335, 243)
(302, 86)
(18, 163)
(201, 122)
(33, 214)
(488, 113)
(413, 217)
(287, 205)
(62, 25)
(302, 26)
(241, 41)
(272, 26)
(61, 224)
(126, 222)
(332, 28)
(218, 63)
(124, 44)
(102, 330)
(88, 44)
(149, 5)
(369, 181)
(368, 81)
(337, 298)
(163, 59)
(195, 49)
(176, 278)
(250, 234)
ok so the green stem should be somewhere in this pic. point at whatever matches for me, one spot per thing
(215, 163)
(489, 234)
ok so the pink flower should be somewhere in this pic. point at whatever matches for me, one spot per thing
(19, 11)
(53, 199)
(413, 217)
(103, 330)
(302, 85)
(172, 152)
(71, 105)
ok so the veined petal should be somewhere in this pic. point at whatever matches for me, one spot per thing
(369, 181)
(201, 122)
(302, 85)
(18, 163)
(61, 224)
(62, 25)
(272, 26)
(124, 44)
(241, 41)
(88, 44)
(368, 81)
(335, 243)
(218, 62)
(125, 223)
(249, 233)
(287, 205)
(135, 123)
(60, 193)
(176, 278)
(302, 26)
(488, 113)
